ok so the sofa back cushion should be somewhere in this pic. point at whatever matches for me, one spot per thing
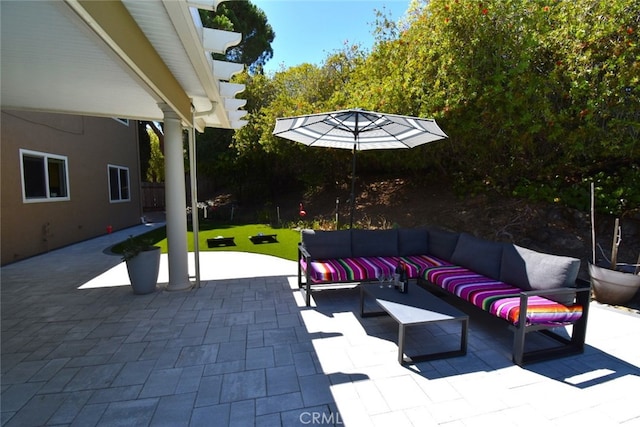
(531, 270)
(327, 244)
(479, 255)
(413, 241)
(442, 243)
(374, 243)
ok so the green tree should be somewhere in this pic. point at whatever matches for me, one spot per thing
(536, 97)
(530, 93)
(298, 90)
(155, 171)
(217, 159)
(144, 148)
(269, 162)
(257, 34)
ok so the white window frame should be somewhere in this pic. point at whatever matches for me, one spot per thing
(121, 120)
(48, 197)
(119, 169)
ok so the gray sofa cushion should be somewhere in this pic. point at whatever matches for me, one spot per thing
(479, 255)
(531, 270)
(413, 241)
(374, 243)
(327, 244)
(442, 243)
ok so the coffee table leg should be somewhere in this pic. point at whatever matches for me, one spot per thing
(464, 331)
(401, 332)
(363, 296)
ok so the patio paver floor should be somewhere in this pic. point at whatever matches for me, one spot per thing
(78, 348)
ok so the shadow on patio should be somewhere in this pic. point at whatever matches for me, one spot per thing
(490, 345)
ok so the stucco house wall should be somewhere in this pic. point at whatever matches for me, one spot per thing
(88, 146)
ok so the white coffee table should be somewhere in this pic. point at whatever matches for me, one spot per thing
(416, 307)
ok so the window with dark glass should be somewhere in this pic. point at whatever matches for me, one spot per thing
(44, 176)
(118, 183)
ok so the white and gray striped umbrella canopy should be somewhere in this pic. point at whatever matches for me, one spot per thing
(359, 129)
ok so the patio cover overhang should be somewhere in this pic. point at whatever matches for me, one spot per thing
(133, 59)
(118, 59)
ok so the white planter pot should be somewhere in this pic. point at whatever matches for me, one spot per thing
(143, 271)
(612, 286)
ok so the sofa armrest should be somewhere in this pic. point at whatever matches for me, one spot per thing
(303, 252)
(574, 345)
(581, 290)
(305, 286)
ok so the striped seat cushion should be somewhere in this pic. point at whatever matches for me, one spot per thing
(539, 311)
(499, 298)
(416, 264)
(365, 268)
(465, 283)
(348, 269)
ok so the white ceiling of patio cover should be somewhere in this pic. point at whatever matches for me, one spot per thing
(51, 61)
(375, 131)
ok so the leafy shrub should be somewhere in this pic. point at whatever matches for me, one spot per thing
(616, 193)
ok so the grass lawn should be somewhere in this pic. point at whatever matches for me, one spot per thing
(286, 246)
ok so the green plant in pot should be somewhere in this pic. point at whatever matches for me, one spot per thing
(143, 264)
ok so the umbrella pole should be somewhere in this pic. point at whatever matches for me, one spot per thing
(353, 187)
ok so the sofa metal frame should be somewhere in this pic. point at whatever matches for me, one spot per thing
(566, 347)
(306, 286)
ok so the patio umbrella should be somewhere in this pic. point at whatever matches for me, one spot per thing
(357, 130)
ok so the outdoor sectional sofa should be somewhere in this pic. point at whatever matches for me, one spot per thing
(529, 290)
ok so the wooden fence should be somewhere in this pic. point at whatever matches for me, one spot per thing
(153, 196)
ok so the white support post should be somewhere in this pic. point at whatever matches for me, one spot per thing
(176, 202)
(195, 220)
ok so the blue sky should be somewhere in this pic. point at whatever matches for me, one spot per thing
(309, 30)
